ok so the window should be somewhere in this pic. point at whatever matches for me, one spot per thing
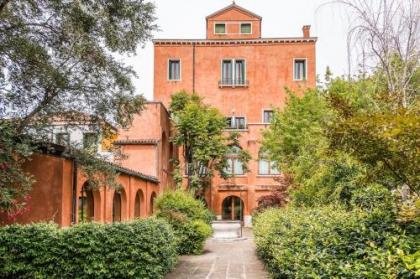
(234, 164)
(267, 116)
(90, 141)
(246, 28)
(300, 69)
(174, 69)
(220, 28)
(62, 139)
(237, 123)
(233, 72)
(265, 166)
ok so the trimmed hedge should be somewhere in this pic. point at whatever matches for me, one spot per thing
(138, 249)
(189, 218)
(331, 242)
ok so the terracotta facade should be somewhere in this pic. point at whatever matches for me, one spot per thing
(270, 65)
(56, 194)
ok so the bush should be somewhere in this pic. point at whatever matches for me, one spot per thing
(373, 197)
(189, 218)
(139, 249)
(331, 243)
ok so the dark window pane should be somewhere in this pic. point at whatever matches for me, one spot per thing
(300, 69)
(268, 116)
(227, 72)
(246, 28)
(174, 70)
(90, 141)
(220, 28)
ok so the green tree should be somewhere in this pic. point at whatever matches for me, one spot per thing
(57, 57)
(297, 141)
(200, 132)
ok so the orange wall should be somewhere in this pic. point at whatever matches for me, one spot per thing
(269, 69)
(52, 198)
(232, 18)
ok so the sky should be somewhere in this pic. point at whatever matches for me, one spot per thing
(185, 19)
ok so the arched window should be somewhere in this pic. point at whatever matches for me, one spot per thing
(152, 202)
(86, 204)
(265, 166)
(234, 163)
(232, 208)
(116, 207)
(138, 203)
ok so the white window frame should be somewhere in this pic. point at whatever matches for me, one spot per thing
(180, 69)
(306, 69)
(233, 60)
(240, 28)
(214, 28)
(236, 129)
(262, 114)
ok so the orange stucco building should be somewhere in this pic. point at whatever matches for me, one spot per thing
(61, 194)
(242, 74)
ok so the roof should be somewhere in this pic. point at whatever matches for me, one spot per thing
(134, 173)
(233, 6)
(136, 142)
(233, 41)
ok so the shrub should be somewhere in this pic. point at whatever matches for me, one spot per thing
(183, 202)
(189, 218)
(139, 249)
(373, 197)
(330, 243)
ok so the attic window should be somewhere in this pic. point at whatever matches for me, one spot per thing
(220, 28)
(246, 28)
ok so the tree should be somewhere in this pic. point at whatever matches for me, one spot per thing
(297, 141)
(386, 34)
(200, 131)
(56, 57)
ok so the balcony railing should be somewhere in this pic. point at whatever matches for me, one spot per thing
(233, 83)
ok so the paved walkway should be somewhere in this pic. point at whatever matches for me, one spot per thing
(222, 260)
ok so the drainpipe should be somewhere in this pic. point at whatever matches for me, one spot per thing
(74, 194)
(193, 68)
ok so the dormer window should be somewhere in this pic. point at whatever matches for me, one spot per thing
(220, 28)
(246, 28)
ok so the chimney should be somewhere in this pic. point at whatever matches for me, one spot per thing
(306, 31)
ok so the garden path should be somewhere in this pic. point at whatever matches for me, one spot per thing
(222, 259)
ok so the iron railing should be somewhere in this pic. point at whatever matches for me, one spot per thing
(228, 82)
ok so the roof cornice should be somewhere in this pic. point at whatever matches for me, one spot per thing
(233, 41)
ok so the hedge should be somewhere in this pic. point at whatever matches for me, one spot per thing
(331, 242)
(189, 218)
(138, 249)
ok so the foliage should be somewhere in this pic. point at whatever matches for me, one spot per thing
(139, 249)
(297, 140)
(377, 133)
(331, 242)
(373, 197)
(56, 61)
(189, 218)
(11, 170)
(200, 131)
(278, 197)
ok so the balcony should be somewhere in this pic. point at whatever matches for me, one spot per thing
(233, 83)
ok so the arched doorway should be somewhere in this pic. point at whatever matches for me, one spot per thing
(116, 207)
(152, 202)
(232, 208)
(86, 204)
(138, 203)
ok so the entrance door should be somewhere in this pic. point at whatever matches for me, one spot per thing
(232, 209)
